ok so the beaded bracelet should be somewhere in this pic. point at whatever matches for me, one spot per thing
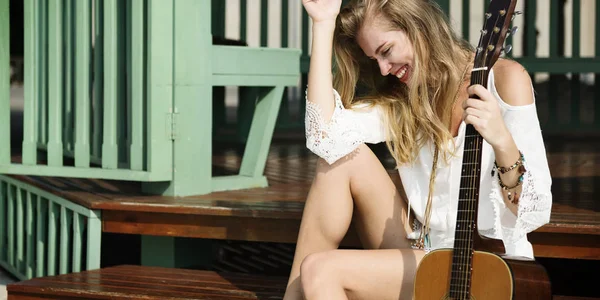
(519, 163)
(513, 197)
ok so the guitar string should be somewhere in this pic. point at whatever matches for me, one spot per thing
(476, 163)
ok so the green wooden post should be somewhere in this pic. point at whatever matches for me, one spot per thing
(4, 82)
(160, 91)
(109, 142)
(65, 217)
(55, 84)
(31, 84)
(192, 98)
(94, 234)
(82, 84)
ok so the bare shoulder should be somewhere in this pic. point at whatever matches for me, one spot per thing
(512, 82)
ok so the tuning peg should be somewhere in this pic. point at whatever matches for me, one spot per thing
(513, 31)
(507, 49)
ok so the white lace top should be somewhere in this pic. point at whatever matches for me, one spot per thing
(348, 128)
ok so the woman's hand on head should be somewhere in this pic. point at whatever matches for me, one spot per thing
(322, 10)
(484, 114)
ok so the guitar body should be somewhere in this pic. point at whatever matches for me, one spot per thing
(493, 277)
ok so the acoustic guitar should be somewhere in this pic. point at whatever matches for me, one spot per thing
(472, 269)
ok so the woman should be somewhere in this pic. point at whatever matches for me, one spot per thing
(416, 73)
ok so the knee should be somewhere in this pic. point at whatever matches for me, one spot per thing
(317, 272)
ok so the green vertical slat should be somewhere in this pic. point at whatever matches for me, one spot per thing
(94, 234)
(109, 142)
(20, 260)
(77, 238)
(4, 82)
(243, 19)
(576, 52)
(82, 84)
(30, 262)
(264, 22)
(43, 65)
(531, 7)
(160, 82)
(52, 243)
(3, 217)
(65, 217)
(98, 77)
(553, 85)
(68, 56)
(10, 226)
(40, 237)
(31, 77)
(55, 83)
(136, 151)
(466, 11)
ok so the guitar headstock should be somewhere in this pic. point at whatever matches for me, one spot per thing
(498, 17)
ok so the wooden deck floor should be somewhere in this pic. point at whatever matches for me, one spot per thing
(272, 214)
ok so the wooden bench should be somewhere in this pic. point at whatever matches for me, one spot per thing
(136, 282)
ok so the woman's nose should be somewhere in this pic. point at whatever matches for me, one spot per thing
(384, 67)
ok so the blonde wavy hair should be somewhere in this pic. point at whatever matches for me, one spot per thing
(421, 110)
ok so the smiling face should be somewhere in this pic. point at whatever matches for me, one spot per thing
(391, 48)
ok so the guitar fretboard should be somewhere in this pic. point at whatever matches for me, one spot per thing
(466, 220)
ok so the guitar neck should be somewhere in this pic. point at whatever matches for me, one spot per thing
(468, 196)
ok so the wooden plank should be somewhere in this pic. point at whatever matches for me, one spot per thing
(135, 282)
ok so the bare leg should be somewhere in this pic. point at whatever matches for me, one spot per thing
(358, 180)
(360, 274)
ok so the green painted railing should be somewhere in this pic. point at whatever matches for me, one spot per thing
(122, 90)
(93, 92)
(43, 235)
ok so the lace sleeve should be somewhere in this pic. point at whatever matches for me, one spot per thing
(344, 132)
(536, 198)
